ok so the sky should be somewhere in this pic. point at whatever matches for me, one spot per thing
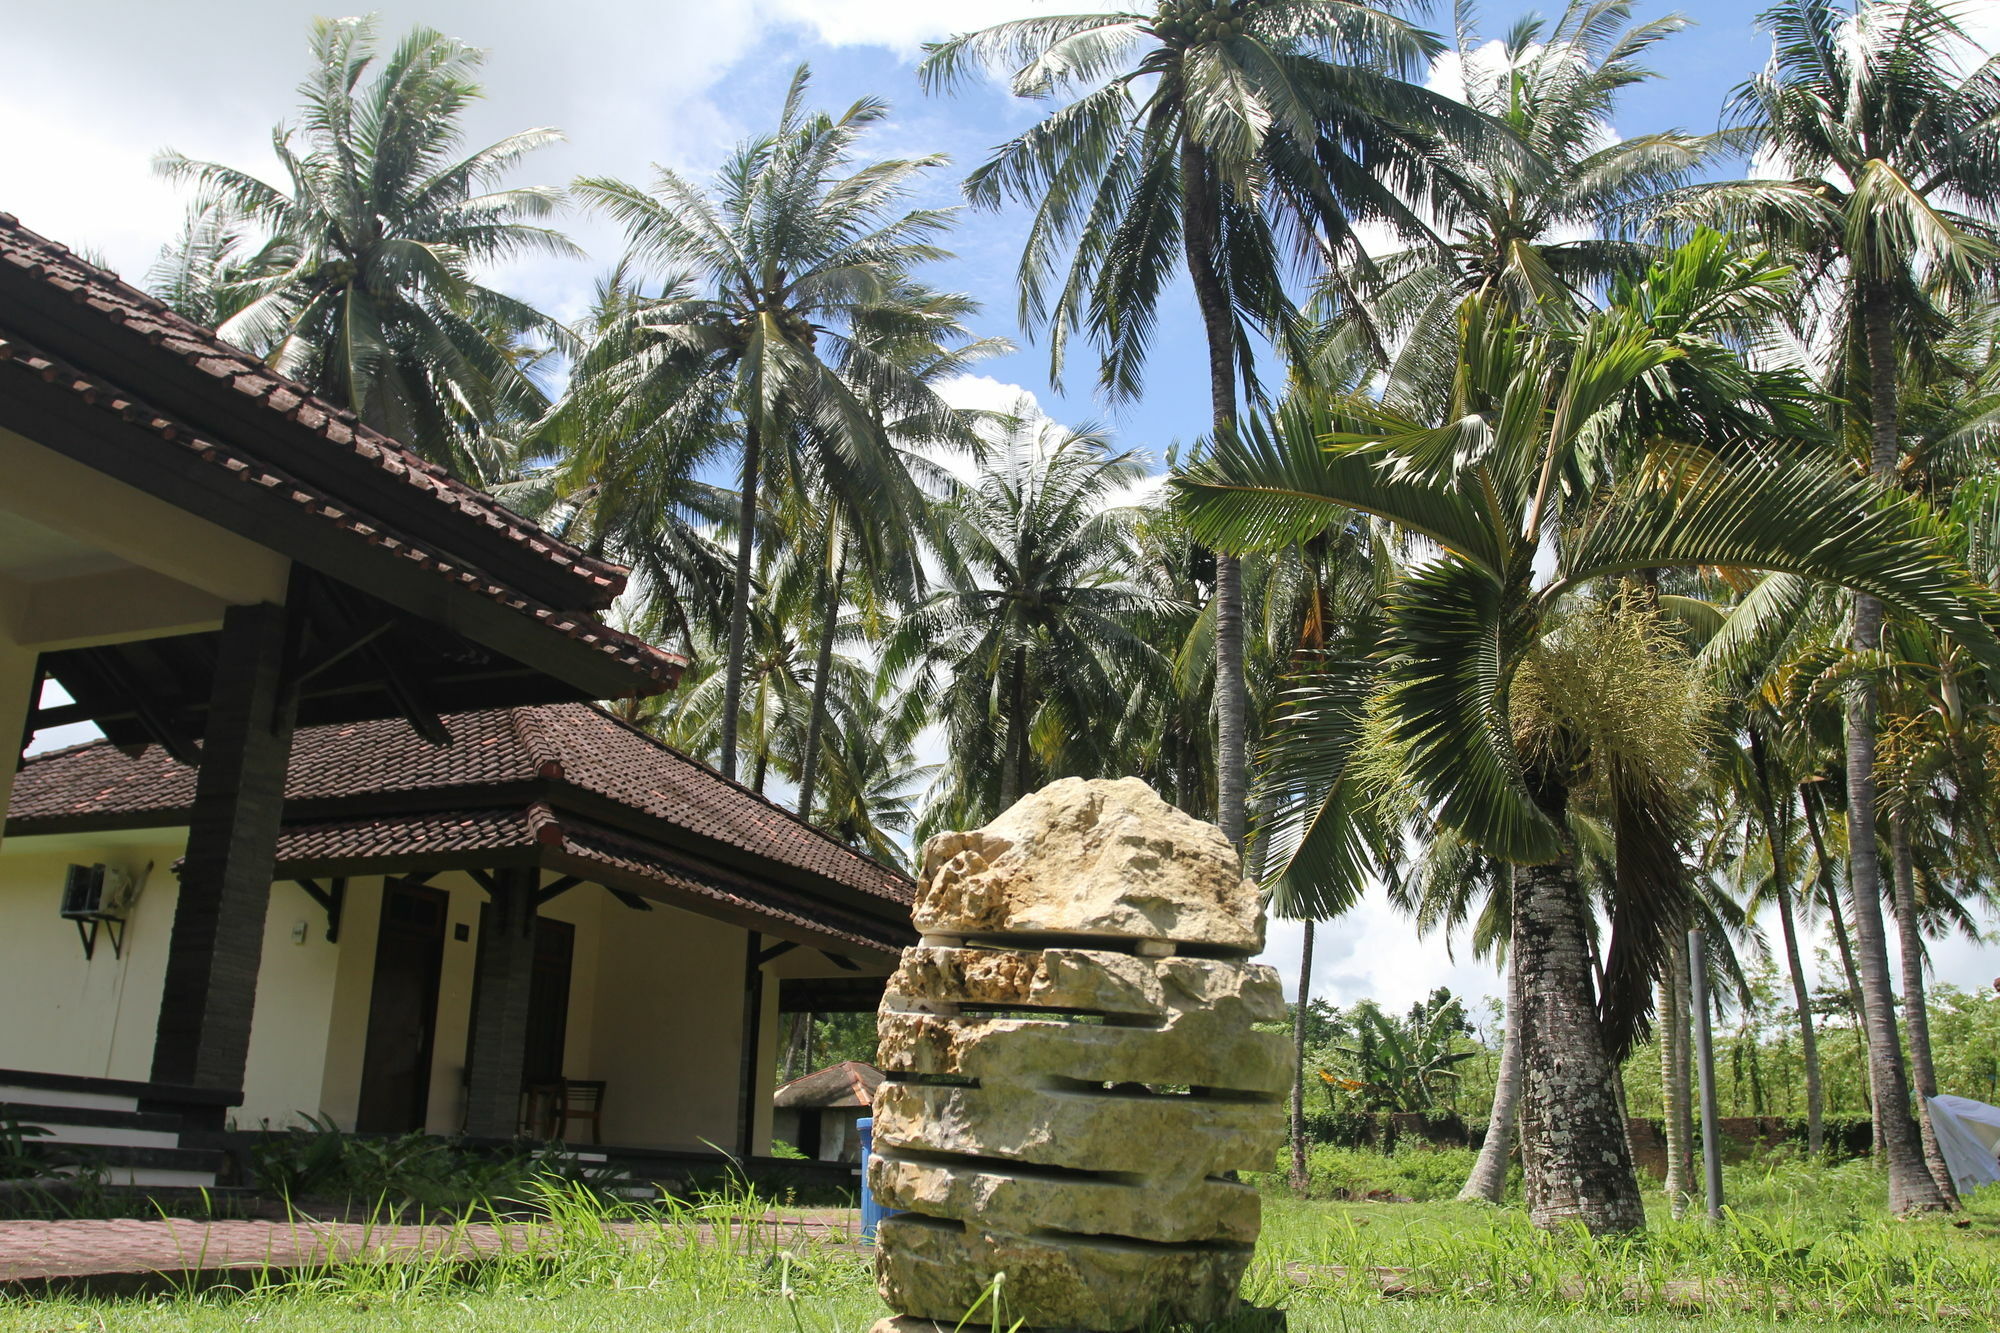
(91, 90)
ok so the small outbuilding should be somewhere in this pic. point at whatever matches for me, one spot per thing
(816, 1112)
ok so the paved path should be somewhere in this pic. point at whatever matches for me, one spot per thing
(38, 1254)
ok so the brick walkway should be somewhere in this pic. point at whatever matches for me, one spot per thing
(138, 1253)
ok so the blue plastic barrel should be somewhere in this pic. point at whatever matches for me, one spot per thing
(872, 1212)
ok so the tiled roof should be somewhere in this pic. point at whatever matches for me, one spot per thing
(849, 1083)
(125, 306)
(571, 750)
(454, 832)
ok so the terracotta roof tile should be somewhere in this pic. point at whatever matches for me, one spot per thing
(316, 505)
(127, 307)
(566, 748)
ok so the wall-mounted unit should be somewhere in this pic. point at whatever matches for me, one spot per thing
(100, 897)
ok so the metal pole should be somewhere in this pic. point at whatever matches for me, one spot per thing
(1704, 1050)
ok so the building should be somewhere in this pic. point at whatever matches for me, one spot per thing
(220, 569)
(816, 1112)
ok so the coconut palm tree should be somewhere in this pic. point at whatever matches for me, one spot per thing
(1880, 115)
(872, 780)
(1205, 134)
(881, 536)
(365, 285)
(1544, 227)
(625, 464)
(763, 283)
(1495, 661)
(1032, 642)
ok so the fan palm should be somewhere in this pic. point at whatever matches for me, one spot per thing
(1884, 117)
(764, 283)
(365, 284)
(1488, 665)
(1204, 134)
(1032, 643)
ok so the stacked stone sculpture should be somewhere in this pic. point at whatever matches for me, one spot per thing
(1072, 1074)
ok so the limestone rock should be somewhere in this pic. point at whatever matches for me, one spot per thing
(938, 1272)
(1091, 858)
(1074, 1071)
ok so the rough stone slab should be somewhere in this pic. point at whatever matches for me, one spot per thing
(1107, 1286)
(1172, 1136)
(1086, 980)
(1091, 858)
(1197, 1049)
(1175, 1208)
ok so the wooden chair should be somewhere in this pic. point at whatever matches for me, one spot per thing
(580, 1099)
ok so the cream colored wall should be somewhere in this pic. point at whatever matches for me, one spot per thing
(97, 1018)
(655, 1001)
(83, 505)
(65, 1015)
(669, 1002)
(295, 988)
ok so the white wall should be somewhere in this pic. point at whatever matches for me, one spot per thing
(97, 1018)
(656, 999)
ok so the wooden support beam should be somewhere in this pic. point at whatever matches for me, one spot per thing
(333, 898)
(555, 889)
(775, 952)
(405, 693)
(631, 900)
(484, 879)
(157, 727)
(217, 944)
(753, 1031)
(841, 961)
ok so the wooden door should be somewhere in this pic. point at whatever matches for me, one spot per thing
(402, 1010)
(548, 1000)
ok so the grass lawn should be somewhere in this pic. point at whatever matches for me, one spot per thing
(1810, 1248)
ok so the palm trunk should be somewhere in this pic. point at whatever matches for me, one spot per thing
(739, 608)
(1577, 1162)
(1301, 1177)
(1200, 234)
(1781, 890)
(1808, 1036)
(1488, 1180)
(822, 670)
(1916, 1011)
(1676, 1099)
(1830, 897)
(1015, 744)
(1911, 1188)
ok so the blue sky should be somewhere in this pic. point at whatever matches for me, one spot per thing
(90, 89)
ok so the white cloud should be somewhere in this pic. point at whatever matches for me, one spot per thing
(900, 25)
(1374, 952)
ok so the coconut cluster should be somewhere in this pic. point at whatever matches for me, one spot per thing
(1192, 22)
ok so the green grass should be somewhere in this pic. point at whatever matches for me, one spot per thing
(1809, 1248)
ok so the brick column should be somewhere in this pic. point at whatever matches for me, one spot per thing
(497, 1045)
(203, 1038)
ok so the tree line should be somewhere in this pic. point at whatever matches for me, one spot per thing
(1587, 543)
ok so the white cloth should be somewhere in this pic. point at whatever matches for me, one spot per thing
(1968, 1134)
